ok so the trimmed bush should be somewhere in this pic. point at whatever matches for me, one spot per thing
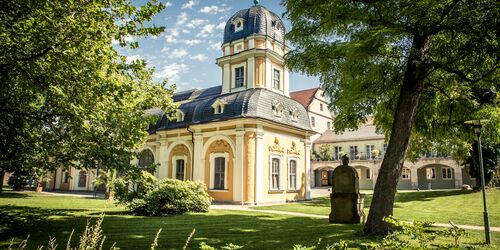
(173, 197)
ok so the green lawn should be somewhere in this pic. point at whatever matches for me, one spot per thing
(42, 216)
(461, 207)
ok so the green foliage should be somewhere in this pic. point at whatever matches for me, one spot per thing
(326, 152)
(174, 197)
(491, 163)
(68, 98)
(133, 186)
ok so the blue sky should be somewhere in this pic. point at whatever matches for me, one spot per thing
(185, 53)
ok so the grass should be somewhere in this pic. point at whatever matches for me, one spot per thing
(41, 216)
(461, 207)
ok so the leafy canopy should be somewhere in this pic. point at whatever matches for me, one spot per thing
(67, 96)
(360, 49)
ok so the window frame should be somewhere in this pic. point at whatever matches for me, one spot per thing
(66, 177)
(336, 153)
(449, 171)
(280, 172)
(276, 70)
(298, 184)
(313, 121)
(214, 156)
(369, 155)
(433, 173)
(408, 174)
(85, 174)
(356, 152)
(236, 78)
(174, 170)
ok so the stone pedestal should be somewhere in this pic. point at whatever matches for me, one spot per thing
(346, 202)
(347, 208)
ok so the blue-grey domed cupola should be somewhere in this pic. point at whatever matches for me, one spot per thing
(256, 20)
(253, 49)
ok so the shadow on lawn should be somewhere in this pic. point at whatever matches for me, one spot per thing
(216, 228)
(13, 195)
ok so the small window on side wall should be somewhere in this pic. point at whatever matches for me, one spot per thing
(239, 77)
(276, 79)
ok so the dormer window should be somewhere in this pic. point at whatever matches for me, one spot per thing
(294, 114)
(179, 116)
(218, 107)
(238, 24)
(278, 109)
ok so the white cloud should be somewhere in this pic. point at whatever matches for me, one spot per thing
(132, 58)
(168, 4)
(165, 50)
(182, 18)
(178, 53)
(215, 46)
(190, 4)
(129, 39)
(172, 71)
(171, 35)
(195, 23)
(200, 57)
(221, 26)
(214, 9)
(192, 42)
(207, 30)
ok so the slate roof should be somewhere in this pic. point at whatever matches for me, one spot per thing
(304, 97)
(257, 21)
(252, 103)
(365, 132)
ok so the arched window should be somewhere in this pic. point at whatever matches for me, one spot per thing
(179, 115)
(147, 160)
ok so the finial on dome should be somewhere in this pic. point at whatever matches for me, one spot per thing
(256, 2)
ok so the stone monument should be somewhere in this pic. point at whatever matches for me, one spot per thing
(346, 201)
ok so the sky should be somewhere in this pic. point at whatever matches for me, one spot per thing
(185, 53)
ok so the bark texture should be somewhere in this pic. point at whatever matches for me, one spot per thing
(387, 181)
(2, 177)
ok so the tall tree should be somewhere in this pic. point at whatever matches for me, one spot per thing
(67, 97)
(414, 65)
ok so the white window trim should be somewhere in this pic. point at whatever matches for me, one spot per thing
(174, 166)
(281, 79)
(233, 76)
(235, 23)
(179, 115)
(427, 175)
(297, 174)
(280, 177)
(218, 103)
(212, 171)
(451, 173)
(409, 174)
(86, 179)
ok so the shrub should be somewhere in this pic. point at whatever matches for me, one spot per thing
(173, 197)
(133, 185)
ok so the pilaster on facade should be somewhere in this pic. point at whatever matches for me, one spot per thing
(163, 158)
(198, 158)
(307, 145)
(458, 176)
(259, 168)
(238, 171)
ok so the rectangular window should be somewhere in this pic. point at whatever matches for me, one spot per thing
(239, 77)
(82, 179)
(220, 173)
(328, 125)
(275, 174)
(336, 153)
(313, 121)
(405, 174)
(447, 174)
(276, 79)
(179, 169)
(431, 173)
(292, 179)
(66, 177)
(369, 149)
(368, 174)
(321, 106)
(353, 152)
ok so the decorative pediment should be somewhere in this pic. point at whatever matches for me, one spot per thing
(278, 108)
(293, 150)
(276, 148)
(218, 106)
(294, 114)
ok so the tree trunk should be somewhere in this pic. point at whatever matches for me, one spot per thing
(2, 176)
(390, 171)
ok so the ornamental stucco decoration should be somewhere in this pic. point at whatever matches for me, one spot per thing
(276, 148)
(293, 150)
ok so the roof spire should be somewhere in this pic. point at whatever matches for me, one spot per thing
(256, 2)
